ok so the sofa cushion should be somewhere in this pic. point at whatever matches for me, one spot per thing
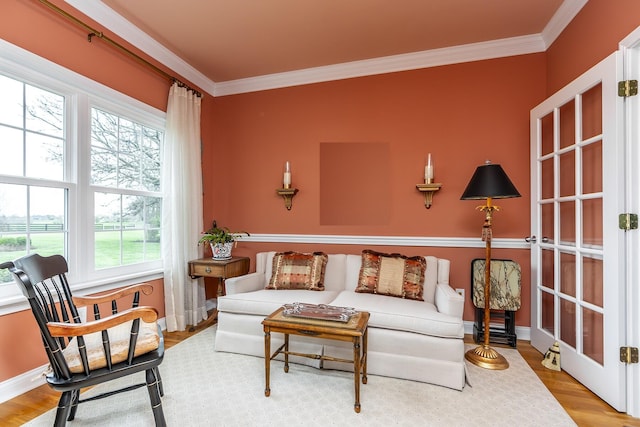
(392, 274)
(403, 315)
(294, 270)
(265, 301)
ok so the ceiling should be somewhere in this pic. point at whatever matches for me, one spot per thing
(222, 41)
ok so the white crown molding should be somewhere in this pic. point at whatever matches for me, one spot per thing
(563, 16)
(117, 24)
(104, 15)
(388, 64)
(441, 242)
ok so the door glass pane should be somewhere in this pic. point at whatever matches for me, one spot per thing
(568, 274)
(592, 112)
(547, 268)
(547, 178)
(568, 174)
(592, 281)
(547, 308)
(592, 168)
(593, 336)
(568, 322)
(592, 223)
(547, 134)
(547, 222)
(568, 124)
(568, 223)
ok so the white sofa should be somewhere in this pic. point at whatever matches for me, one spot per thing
(409, 339)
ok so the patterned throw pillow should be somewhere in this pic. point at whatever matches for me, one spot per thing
(294, 270)
(392, 274)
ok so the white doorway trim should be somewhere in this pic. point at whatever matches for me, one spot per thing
(630, 49)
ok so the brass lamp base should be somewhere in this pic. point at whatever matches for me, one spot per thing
(486, 357)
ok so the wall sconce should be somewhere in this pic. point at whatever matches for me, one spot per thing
(428, 188)
(287, 192)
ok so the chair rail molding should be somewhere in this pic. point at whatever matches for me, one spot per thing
(444, 242)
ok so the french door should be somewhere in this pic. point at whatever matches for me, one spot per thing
(578, 253)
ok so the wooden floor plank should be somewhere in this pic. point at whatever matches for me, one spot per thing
(586, 409)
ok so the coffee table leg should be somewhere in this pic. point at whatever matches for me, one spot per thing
(286, 352)
(356, 371)
(267, 360)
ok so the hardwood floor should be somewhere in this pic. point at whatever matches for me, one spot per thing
(586, 409)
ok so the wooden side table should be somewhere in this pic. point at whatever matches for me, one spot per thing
(222, 269)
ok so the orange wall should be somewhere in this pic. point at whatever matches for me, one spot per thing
(462, 114)
(593, 34)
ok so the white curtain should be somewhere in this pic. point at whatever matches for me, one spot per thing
(182, 210)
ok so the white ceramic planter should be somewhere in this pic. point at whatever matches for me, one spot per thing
(221, 251)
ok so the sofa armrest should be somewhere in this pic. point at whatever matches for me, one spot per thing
(448, 301)
(245, 283)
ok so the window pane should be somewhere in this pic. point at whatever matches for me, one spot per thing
(151, 155)
(107, 230)
(13, 225)
(124, 154)
(127, 229)
(45, 112)
(12, 151)
(104, 148)
(44, 157)
(11, 111)
(38, 225)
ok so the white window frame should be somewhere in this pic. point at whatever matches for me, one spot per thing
(81, 94)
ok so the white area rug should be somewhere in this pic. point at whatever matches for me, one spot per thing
(206, 388)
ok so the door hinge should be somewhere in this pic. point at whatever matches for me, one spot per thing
(628, 221)
(627, 88)
(629, 354)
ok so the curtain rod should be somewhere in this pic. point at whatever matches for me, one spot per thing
(95, 33)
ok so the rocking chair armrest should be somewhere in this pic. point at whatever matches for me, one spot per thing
(62, 329)
(145, 288)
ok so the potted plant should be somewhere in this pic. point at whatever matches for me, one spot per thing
(221, 240)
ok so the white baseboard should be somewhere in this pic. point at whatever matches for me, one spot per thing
(29, 380)
(22, 383)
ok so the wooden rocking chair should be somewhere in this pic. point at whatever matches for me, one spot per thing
(87, 353)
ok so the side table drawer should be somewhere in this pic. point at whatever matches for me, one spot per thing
(206, 270)
(222, 269)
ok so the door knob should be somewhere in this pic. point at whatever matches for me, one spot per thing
(531, 239)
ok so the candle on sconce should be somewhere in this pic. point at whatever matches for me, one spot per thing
(287, 175)
(428, 171)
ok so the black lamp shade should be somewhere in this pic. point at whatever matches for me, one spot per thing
(489, 181)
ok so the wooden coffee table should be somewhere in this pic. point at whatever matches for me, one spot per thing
(355, 331)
